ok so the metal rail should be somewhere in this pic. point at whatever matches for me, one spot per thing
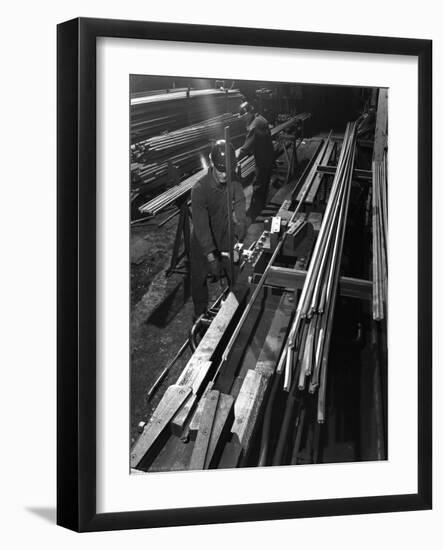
(317, 301)
(229, 207)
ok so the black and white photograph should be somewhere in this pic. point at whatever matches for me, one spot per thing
(222, 223)
(258, 273)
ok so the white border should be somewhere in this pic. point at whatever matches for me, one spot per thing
(116, 489)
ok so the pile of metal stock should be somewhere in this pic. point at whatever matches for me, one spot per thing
(156, 205)
(304, 359)
(246, 166)
(305, 355)
(157, 112)
(183, 149)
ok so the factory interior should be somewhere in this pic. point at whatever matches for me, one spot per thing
(288, 364)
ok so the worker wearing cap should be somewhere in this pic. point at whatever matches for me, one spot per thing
(258, 142)
(209, 236)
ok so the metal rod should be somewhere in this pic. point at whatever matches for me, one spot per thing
(165, 371)
(333, 286)
(229, 206)
(318, 247)
(320, 270)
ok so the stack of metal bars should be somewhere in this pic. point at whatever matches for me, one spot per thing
(160, 146)
(167, 198)
(182, 148)
(154, 113)
(307, 348)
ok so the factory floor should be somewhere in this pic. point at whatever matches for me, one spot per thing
(161, 306)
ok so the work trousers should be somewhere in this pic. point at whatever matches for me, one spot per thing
(199, 276)
(260, 189)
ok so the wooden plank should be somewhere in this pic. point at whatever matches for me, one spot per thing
(267, 360)
(214, 333)
(178, 423)
(381, 126)
(200, 451)
(195, 421)
(220, 429)
(231, 455)
(174, 455)
(195, 373)
(247, 407)
(167, 408)
(198, 367)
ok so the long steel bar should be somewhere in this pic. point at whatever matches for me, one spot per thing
(330, 221)
(165, 371)
(312, 267)
(229, 198)
(331, 292)
(331, 299)
(329, 226)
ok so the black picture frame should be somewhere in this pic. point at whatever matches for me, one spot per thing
(76, 295)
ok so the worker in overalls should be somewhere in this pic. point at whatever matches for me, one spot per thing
(209, 237)
(258, 142)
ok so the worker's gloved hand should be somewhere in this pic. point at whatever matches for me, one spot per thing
(214, 266)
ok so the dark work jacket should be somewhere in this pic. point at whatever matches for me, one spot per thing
(210, 213)
(258, 142)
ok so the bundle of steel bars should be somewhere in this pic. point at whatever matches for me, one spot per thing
(307, 348)
(379, 237)
(168, 197)
(158, 147)
(182, 148)
(154, 113)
